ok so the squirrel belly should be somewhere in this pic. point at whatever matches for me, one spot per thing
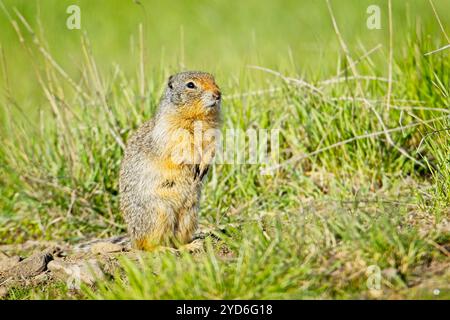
(163, 168)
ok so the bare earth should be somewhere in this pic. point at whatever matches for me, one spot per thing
(37, 262)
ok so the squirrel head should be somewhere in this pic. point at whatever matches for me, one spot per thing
(192, 92)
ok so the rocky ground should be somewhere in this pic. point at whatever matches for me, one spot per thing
(42, 262)
(37, 262)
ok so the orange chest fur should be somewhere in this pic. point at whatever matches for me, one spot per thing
(188, 140)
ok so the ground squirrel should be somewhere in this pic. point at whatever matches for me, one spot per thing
(164, 165)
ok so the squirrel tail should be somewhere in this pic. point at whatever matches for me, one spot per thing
(123, 240)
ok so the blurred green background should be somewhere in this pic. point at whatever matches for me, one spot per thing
(219, 36)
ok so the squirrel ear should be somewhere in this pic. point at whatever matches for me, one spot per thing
(170, 82)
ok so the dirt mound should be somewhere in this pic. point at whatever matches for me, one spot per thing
(34, 262)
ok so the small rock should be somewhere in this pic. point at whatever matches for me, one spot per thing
(74, 273)
(106, 247)
(31, 266)
(7, 263)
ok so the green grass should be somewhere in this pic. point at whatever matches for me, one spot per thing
(310, 230)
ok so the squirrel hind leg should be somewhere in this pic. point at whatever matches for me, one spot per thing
(159, 234)
(186, 225)
(150, 246)
(145, 244)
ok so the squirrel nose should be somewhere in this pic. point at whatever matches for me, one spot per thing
(216, 95)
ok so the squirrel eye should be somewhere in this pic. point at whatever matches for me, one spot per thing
(190, 85)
